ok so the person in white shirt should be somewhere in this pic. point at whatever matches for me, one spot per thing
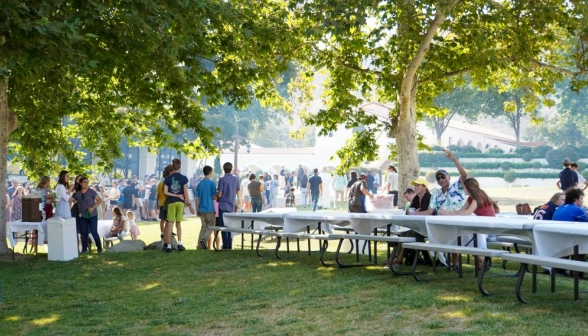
(246, 199)
(325, 199)
(582, 183)
(391, 185)
(340, 185)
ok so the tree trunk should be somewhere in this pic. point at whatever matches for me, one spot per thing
(7, 126)
(406, 142)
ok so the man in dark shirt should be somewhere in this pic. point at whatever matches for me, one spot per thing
(567, 177)
(303, 187)
(129, 197)
(369, 181)
(299, 176)
(315, 188)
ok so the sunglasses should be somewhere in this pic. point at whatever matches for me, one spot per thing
(440, 177)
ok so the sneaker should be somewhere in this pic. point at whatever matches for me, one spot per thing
(173, 233)
(161, 236)
(387, 267)
(396, 265)
(168, 249)
(203, 245)
(181, 248)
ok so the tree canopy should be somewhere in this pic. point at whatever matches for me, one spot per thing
(129, 69)
(407, 52)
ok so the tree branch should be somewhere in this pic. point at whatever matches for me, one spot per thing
(357, 69)
(557, 69)
(447, 75)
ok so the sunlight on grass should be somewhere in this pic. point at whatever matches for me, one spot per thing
(47, 320)
(12, 318)
(455, 315)
(149, 286)
(454, 298)
(275, 264)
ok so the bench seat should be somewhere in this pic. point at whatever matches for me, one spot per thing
(488, 254)
(528, 259)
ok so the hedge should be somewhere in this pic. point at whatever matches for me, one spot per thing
(441, 161)
(501, 174)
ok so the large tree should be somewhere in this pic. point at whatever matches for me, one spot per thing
(411, 50)
(126, 68)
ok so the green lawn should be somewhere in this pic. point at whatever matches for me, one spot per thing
(237, 293)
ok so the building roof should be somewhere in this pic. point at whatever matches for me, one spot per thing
(490, 133)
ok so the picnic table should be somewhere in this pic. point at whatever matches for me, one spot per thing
(557, 239)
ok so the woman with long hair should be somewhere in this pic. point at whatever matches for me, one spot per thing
(87, 201)
(16, 215)
(45, 186)
(63, 191)
(546, 211)
(478, 203)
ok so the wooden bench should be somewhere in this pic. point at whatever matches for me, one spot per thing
(527, 259)
(488, 254)
(388, 239)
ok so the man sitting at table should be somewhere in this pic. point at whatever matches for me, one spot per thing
(571, 211)
(450, 197)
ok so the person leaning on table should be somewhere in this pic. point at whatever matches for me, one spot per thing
(357, 190)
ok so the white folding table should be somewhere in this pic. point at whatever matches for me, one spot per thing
(557, 239)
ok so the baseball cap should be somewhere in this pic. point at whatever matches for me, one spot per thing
(422, 181)
(441, 171)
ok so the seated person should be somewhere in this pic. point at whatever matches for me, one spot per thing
(419, 202)
(408, 195)
(546, 211)
(571, 211)
(119, 224)
(478, 203)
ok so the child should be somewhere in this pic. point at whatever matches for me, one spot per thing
(133, 228)
(209, 239)
(291, 199)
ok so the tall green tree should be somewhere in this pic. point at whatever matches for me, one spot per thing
(409, 51)
(124, 68)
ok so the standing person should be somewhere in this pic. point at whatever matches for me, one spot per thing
(45, 187)
(255, 190)
(132, 226)
(194, 183)
(282, 177)
(303, 188)
(478, 203)
(99, 208)
(161, 200)
(246, 202)
(153, 200)
(567, 177)
(75, 212)
(267, 189)
(175, 189)
(16, 212)
(315, 188)
(291, 199)
(352, 179)
(63, 190)
(287, 185)
(357, 190)
(274, 187)
(129, 197)
(299, 175)
(339, 185)
(11, 190)
(582, 183)
(204, 198)
(327, 180)
(391, 186)
(227, 189)
(261, 181)
(376, 182)
(87, 201)
(113, 195)
(369, 181)
(121, 186)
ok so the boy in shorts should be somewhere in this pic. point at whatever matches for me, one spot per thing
(175, 189)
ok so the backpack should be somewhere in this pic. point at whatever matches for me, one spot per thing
(523, 209)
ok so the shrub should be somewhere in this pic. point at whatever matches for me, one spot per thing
(527, 157)
(523, 150)
(432, 160)
(430, 176)
(581, 166)
(556, 157)
(585, 174)
(510, 176)
(537, 164)
(436, 148)
(583, 151)
(540, 151)
(495, 150)
(506, 165)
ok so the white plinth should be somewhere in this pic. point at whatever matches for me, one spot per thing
(62, 240)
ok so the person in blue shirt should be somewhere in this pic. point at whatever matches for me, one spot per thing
(205, 195)
(572, 211)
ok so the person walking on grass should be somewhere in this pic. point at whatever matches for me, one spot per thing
(205, 196)
(175, 188)
(226, 191)
(315, 188)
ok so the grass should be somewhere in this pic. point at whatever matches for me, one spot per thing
(237, 293)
